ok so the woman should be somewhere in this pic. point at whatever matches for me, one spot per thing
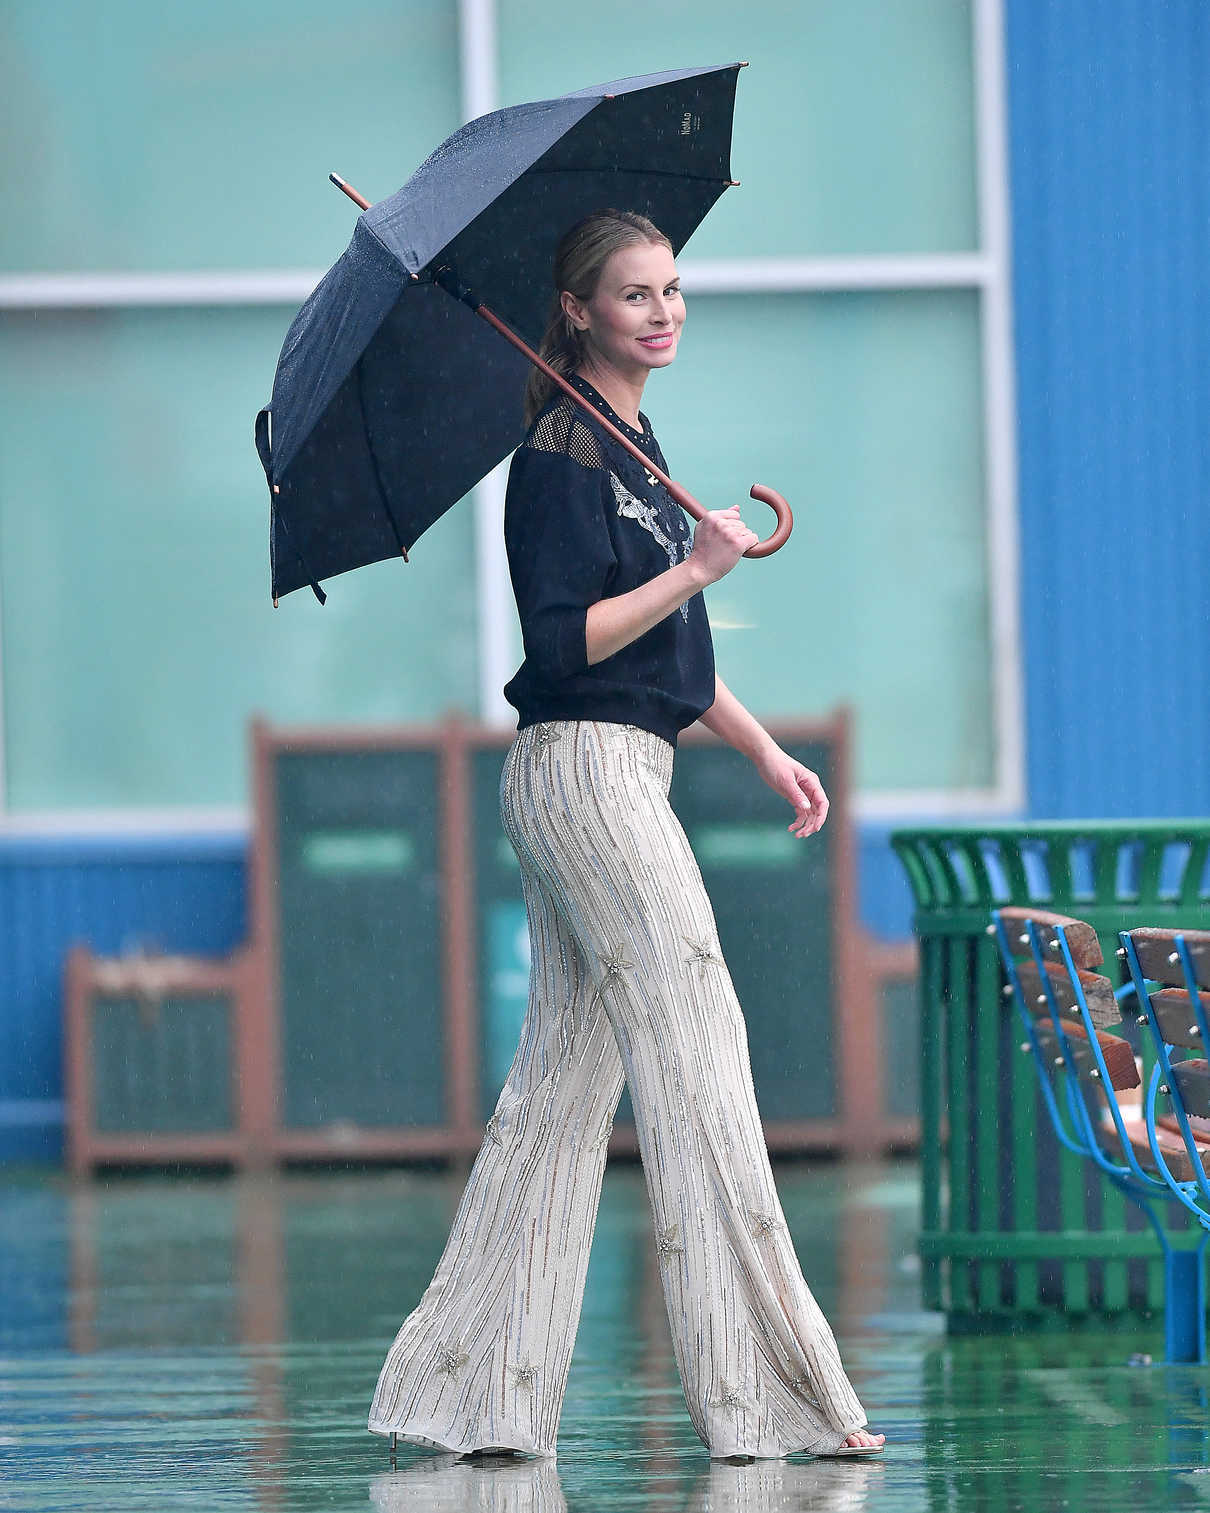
(627, 981)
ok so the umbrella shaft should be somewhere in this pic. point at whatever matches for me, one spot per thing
(682, 496)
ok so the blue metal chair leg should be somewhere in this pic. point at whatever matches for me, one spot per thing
(1185, 1305)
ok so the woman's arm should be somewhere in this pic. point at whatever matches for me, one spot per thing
(719, 541)
(614, 623)
(736, 725)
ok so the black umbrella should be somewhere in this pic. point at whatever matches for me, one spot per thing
(391, 398)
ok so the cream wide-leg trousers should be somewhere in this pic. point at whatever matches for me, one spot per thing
(627, 982)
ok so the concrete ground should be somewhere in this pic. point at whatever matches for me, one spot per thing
(209, 1342)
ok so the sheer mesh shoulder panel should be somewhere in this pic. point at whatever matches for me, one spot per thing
(562, 430)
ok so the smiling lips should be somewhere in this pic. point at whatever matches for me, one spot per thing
(661, 339)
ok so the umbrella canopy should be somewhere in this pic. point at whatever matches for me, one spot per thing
(391, 400)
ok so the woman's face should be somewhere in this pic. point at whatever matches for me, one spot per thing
(633, 321)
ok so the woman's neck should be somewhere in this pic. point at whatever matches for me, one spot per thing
(620, 391)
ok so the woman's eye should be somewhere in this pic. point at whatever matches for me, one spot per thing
(673, 289)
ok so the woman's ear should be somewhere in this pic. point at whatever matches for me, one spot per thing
(574, 310)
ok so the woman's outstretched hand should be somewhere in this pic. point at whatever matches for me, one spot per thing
(720, 539)
(800, 786)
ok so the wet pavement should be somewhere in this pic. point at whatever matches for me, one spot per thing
(202, 1342)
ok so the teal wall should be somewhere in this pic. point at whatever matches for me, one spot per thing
(137, 634)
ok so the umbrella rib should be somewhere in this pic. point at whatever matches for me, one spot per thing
(302, 561)
(382, 493)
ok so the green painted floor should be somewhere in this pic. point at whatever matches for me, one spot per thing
(213, 1343)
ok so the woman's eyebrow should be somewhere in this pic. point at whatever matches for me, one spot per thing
(675, 279)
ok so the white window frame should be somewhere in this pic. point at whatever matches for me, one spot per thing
(988, 272)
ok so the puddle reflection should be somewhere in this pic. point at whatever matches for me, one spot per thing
(449, 1484)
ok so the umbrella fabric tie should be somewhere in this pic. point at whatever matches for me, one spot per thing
(265, 455)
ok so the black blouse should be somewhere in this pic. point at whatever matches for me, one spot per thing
(584, 521)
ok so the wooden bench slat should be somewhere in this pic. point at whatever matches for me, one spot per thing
(1081, 937)
(1098, 991)
(1118, 1053)
(1200, 1127)
(1176, 1018)
(1154, 947)
(1172, 1146)
(1193, 1081)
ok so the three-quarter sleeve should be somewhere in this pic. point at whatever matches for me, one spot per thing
(560, 555)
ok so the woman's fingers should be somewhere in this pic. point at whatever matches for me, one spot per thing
(810, 802)
(809, 782)
(721, 539)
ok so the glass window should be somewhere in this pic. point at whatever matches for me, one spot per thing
(138, 633)
(865, 411)
(149, 136)
(854, 124)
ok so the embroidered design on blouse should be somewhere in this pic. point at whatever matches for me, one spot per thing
(524, 1374)
(666, 1241)
(729, 1397)
(703, 955)
(452, 1359)
(631, 507)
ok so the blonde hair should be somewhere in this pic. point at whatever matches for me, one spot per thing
(579, 262)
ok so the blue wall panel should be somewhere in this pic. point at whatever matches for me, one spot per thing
(177, 894)
(1110, 123)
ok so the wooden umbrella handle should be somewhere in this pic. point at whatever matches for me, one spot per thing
(785, 521)
(785, 517)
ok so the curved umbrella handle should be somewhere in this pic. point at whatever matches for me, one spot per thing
(691, 506)
(785, 521)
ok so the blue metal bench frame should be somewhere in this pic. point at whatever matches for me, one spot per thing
(1080, 1128)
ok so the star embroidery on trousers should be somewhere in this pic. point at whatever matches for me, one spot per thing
(730, 1397)
(546, 736)
(764, 1225)
(524, 1374)
(667, 1242)
(702, 955)
(494, 1132)
(603, 1137)
(612, 968)
(452, 1359)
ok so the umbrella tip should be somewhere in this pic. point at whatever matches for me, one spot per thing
(744, 64)
(731, 183)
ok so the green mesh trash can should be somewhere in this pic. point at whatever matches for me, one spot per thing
(1013, 1225)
